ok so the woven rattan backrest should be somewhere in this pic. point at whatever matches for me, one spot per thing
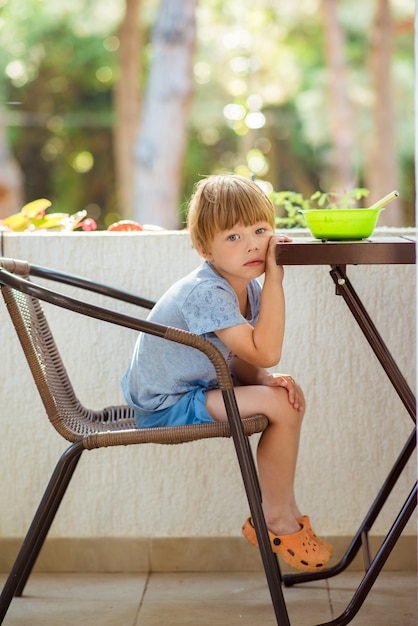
(111, 425)
(45, 362)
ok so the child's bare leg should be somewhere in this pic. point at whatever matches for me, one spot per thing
(277, 450)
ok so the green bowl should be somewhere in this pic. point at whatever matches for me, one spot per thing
(341, 224)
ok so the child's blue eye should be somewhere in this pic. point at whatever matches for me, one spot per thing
(232, 237)
(260, 231)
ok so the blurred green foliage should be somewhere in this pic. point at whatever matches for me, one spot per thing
(58, 66)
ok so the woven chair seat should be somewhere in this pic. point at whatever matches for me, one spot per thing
(171, 435)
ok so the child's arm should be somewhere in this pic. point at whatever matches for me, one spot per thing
(247, 374)
(261, 345)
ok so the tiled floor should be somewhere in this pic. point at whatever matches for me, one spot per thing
(227, 599)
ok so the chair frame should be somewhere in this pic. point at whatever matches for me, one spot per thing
(16, 282)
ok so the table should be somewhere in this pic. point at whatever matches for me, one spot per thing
(337, 255)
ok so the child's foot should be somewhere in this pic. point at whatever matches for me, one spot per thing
(299, 549)
(306, 523)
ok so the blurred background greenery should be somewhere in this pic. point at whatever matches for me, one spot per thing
(260, 102)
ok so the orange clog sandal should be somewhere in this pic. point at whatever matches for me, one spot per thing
(298, 549)
(306, 523)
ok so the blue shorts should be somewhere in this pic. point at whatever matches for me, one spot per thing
(190, 409)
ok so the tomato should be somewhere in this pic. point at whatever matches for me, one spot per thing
(125, 226)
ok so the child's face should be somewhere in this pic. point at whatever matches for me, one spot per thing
(240, 253)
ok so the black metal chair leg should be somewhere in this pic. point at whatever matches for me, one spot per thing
(43, 530)
(252, 488)
(40, 525)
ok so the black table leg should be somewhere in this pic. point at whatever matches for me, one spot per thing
(360, 540)
(346, 290)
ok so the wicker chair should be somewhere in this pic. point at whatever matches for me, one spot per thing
(88, 429)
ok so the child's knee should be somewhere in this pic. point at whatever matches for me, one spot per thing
(285, 412)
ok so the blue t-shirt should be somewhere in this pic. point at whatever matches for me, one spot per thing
(161, 371)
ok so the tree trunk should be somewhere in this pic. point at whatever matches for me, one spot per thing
(381, 175)
(343, 175)
(11, 177)
(161, 142)
(127, 105)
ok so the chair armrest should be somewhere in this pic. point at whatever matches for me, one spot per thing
(114, 317)
(16, 266)
(23, 268)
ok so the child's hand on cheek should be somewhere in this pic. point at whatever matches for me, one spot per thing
(283, 238)
(271, 252)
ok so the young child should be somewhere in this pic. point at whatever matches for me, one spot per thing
(231, 223)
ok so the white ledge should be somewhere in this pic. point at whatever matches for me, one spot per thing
(354, 427)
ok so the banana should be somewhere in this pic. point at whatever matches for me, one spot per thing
(36, 208)
(17, 221)
(50, 220)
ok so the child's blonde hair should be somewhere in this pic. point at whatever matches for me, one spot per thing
(221, 201)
